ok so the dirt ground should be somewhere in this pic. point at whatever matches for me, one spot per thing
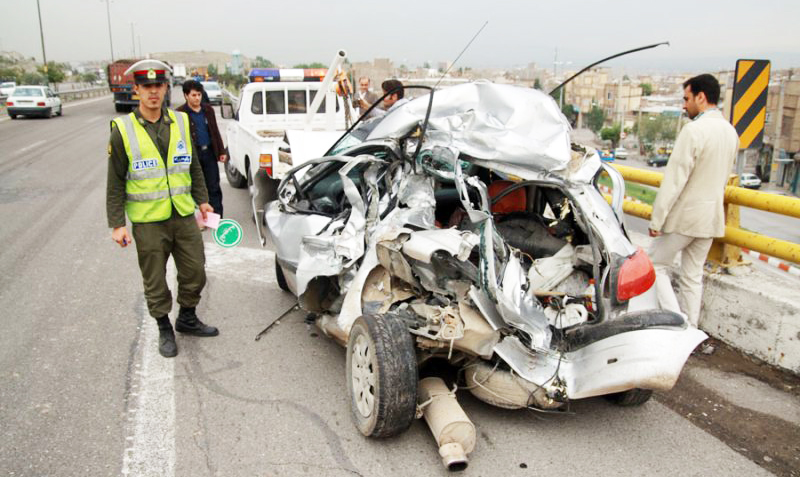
(771, 442)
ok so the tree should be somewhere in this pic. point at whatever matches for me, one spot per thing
(656, 128)
(261, 62)
(89, 77)
(212, 70)
(611, 134)
(537, 84)
(569, 112)
(595, 118)
(647, 89)
(55, 72)
(315, 64)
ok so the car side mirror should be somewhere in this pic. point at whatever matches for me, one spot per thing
(226, 110)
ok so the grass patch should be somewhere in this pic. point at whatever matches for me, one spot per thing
(641, 192)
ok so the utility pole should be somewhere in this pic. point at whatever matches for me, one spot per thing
(110, 40)
(133, 41)
(44, 56)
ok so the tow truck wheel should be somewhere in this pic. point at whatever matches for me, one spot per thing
(632, 397)
(381, 376)
(236, 180)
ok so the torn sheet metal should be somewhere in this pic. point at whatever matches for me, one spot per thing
(501, 123)
(421, 245)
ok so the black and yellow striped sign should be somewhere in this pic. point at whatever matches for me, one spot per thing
(750, 101)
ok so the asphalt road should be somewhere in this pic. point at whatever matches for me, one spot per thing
(85, 393)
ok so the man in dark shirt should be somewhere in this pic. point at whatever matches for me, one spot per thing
(206, 139)
(155, 178)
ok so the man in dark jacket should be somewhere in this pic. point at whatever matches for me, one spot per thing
(206, 138)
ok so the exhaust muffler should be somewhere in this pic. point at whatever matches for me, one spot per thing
(452, 429)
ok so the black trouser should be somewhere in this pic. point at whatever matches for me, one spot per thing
(211, 173)
(155, 242)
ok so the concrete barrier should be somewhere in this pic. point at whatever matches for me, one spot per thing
(72, 95)
(754, 312)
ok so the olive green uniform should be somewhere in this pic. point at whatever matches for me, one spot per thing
(156, 241)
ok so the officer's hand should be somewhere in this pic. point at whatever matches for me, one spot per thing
(205, 209)
(121, 236)
(654, 233)
(223, 158)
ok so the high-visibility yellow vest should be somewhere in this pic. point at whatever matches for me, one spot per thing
(154, 185)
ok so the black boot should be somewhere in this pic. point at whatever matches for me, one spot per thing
(188, 323)
(166, 338)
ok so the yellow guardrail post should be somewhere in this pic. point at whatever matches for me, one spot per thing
(723, 254)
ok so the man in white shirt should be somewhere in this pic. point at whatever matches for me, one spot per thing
(688, 211)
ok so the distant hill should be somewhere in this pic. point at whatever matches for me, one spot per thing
(194, 59)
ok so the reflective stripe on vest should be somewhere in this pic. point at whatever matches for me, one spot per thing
(154, 186)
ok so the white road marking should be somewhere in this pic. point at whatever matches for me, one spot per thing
(28, 148)
(241, 263)
(151, 417)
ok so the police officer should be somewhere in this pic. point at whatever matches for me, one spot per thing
(155, 177)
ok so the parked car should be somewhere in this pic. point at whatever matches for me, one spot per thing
(33, 101)
(6, 88)
(451, 236)
(621, 153)
(658, 160)
(750, 181)
(606, 155)
(214, 91)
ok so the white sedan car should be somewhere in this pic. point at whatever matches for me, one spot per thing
(750, 181)
(33, 101)
(6, 88)
(214, 91)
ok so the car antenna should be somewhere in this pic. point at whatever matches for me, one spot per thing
(462, 52)
(430, 100)
(606, 59)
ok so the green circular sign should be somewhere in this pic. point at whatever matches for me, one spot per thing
(228, 233)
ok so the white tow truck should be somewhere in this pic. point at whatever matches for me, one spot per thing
(280, 121)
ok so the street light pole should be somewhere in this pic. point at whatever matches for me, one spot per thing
(41, 33)
(133, 41)
(110, 40)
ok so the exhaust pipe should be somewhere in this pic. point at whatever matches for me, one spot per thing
(452, 429)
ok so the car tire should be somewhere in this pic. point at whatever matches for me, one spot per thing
(12, 116)
(120, 108)
(60, 111)
(632, 397)
(280, 277)
(236, 180)
(381, 376)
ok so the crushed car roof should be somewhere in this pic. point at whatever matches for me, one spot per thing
(499, 123)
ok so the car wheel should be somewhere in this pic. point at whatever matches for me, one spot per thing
(235, 179)
(60, 111)
(632, 397)
(12, 116)
(280, 277)
(381, 376)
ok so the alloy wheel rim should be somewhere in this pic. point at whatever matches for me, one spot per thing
(363, 376)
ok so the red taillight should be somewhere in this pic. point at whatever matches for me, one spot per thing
(9, 103)
(636, 276)
(40, 103)
(265, 162)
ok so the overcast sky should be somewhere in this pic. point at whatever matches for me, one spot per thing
(704, 35)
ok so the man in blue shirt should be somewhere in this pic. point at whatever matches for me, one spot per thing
(205, 138)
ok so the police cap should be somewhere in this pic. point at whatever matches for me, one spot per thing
(149, 72)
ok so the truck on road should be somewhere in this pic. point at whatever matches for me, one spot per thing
(275, 126)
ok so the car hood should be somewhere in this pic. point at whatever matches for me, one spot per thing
(499, 123)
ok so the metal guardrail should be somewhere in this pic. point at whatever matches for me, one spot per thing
(83, 93)
(726, 249)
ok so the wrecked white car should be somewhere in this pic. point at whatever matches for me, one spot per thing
(464, 230)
